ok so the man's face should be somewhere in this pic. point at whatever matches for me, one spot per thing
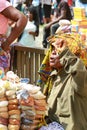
(57, 46)
(54, 59)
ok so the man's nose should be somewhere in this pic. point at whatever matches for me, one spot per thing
(54, 51)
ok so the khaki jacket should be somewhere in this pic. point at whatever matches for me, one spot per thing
(67, 102)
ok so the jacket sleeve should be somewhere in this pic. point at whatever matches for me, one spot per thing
(76, 69)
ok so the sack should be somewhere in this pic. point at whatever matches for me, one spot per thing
(52, 126)
(83, 1)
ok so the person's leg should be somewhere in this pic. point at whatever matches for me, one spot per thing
(46, 33)
(54, 28)
(41, 14)
(47, 13)
(37, 11)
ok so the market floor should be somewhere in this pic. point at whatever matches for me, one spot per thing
(40, 37)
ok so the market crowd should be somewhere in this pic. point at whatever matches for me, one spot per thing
(46, 12)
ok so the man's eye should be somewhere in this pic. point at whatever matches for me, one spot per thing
(52, 47)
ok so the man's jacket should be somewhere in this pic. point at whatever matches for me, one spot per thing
(67, 102)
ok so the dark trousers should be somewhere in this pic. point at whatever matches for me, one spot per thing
(47, 32)
(53, 28)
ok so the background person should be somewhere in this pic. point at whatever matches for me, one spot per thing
(31, 29)
(41, 12)
(53, 7)
(62, 12)
(36, 4)
(8, 12)
(47, 11)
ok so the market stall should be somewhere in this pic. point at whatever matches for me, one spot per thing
(22, 105)
(79, 23)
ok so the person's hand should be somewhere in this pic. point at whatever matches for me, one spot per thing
(5, 46)
(47, 25)
(32, 33)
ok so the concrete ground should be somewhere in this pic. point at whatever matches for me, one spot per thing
(40, 37)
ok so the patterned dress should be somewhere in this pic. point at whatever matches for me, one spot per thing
(4, 56)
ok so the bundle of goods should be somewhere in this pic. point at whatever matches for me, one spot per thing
(3, 110)
(33, 106)
(9, 104)
(65, 26)
(80, 26)
(27, 110)
(13, 110)
(12, 77)
(22, 105)
(83, 34)
(79, 13)
(52, 126)
(79, 23)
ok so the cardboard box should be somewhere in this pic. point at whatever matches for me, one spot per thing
(79, 13)
(79, 22)
(75, 28)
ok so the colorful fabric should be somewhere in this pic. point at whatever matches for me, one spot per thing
(45, 69)
(74, 43)
(52, 126)
(4, 56)
(2, 74)
(4, 59)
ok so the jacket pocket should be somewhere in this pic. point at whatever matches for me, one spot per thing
(63, 107)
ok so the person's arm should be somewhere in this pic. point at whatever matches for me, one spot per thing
(62, 16)
(33, 33)
(72, 65)
(75, 68)
(20, 22)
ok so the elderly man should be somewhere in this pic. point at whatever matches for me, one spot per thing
(67, 95)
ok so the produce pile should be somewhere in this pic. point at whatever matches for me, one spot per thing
(22, 105)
